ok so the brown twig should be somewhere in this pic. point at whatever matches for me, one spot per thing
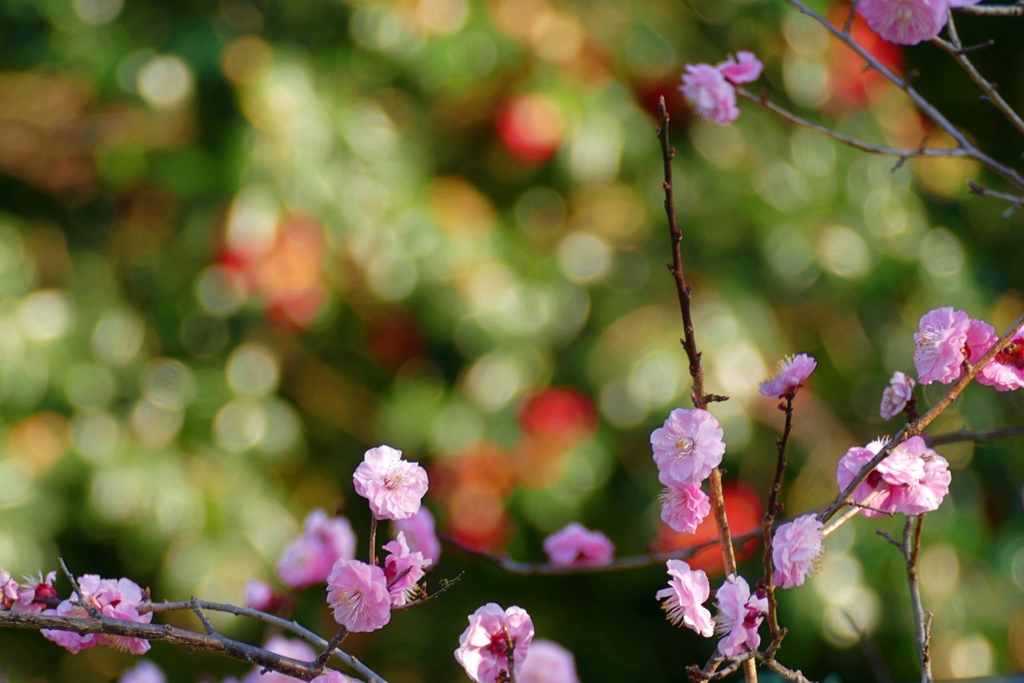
(963, 435)
(510, 656)
(445, 585)
(85, 604)
(918, 426)
(1016, 10)
(373, 540)
(848, 24)
(772, 509)
(198, 609)
(911, 548)
(982, 190)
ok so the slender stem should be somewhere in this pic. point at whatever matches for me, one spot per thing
(982, 190)
(373, 540)
(1016, 10)
(510, 656)
(86, 605)
(963, 435)
(198, 609)
(922, 619)
(918, 426)
(773, 508)
(848, 515)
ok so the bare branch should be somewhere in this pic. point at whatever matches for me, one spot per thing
(964, 435)
(1016, 10)
(773, 508)
(86, 605)
(198, 609)
(445, 585)
(982, 191)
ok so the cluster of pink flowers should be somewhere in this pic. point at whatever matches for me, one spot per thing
(403, 570)
(393, 486)
(577, 546)
(711, 90)
(908, 22)
(23, 598)
(796, 549)
(739, 616)
(686, 449)
(912, 479)
(483, 645)
(118, 599)
(947, 337)
(790, 374)
(309, 558)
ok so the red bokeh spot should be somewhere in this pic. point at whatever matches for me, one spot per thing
(531, 128)
(394, 339)
(558, 412)
(852, 83)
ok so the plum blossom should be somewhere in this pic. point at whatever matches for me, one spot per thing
(1005, 371)
(688, 446)
(548, 662)
(796, 549)
(358, 594)
(143, 672)
(34, 589)
(710, 95)
(577, 546)
(683, 600)
(310, 557)
(258, 595)
(940, 343)
(399, 560)
(905, 22)
(286, 647)
(746, 68)
(896, 395)
(482, 646)
(420, 535)
(790, 374)
(683, 506)
(912, 479)
(393, 486)
(8, 590)
(739, 616)
(333, 677)
(119, 599)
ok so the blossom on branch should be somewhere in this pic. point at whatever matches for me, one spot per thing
(739, 616)
(143, 672)
(8, 590)
(577, 546)
(333, 677)
(286, 647)
(393, 486)
(117, 599)
(399, 560)
(683, 506)
(912, 479)
(683, 600)
(483, 646)
(940, 341)
(420, 535)
(908, 22)
(35, 589)
(746, 68)
(710, 89)
(688, 446)
(1005, 372)
(310, 557)
(358, 594)
(896, 395)
(790, 374)
(548, 662)
(796, 550)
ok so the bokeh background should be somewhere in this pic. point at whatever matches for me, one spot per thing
(242, 241)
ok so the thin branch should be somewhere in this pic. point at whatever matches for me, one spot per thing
(85, 604)
(982, 191)
(963, 435)
(848, 24)
(445, 585)
(765, 102)
(510, 656)
(918, 426)
(1016, 10)
(794, 675)
(911, 548)
(329, 650)
(198, 609)
(955, 48)
(773, 508)
(373, 540)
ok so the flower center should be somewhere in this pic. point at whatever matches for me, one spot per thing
(685, 445)
(1012, 355)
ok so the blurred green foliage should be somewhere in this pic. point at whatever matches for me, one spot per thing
(242, 241)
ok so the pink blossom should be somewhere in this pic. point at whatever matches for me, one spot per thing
(548, 662)
(8, 590)
(144, 672)
(739, 616)
(259, 595)
(286, 647)
(393, 486)
(577, 546)
(905, 22)
(684, 598)
(940, 343)
(309, 558)
(912, 479)
(688, 446)
(34, 589)
(790, 374)
(119, 599)
(482, 646)
(399, 560)
(1005, 371)
(896, 395)
(747, 69)
(710, 95)
(333, 677)
(796, 549)
(420, 535)
(683, 506)
(358, 594)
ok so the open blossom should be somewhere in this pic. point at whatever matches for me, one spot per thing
(548, 662)
(33, 589)
(119, 599)
(333, 677)
(746, 68)
(796, 549)
(905, 22)
(8, 590)
(420, 534)
(683, 506)
(577, 546)
(482, 646)
(143, 672)
(310, 557)
(896, 395)
(1005, 371)
(940, 343)
(259, 595)
(398, 560)
(683, 600)
(710, 95)
(790, 373)
(358, 594)
(688, 446)
(912, 479)
(286, 647)
(739, 616)
(393, 486)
